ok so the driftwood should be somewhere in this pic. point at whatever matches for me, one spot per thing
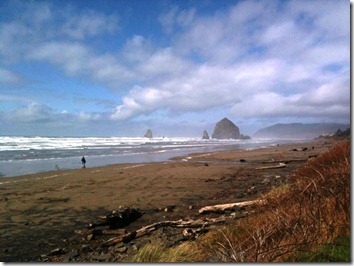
(280, 165)
(97, 232)
(109, 232)
(284, 161)
(228, 206)
(152, 227)
(313, 156)
(118, 219)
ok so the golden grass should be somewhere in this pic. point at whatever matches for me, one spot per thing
(158, 253)
(312, 211)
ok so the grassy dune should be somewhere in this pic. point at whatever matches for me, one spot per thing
(307, 220)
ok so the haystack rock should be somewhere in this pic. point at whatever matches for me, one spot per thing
(205, 135)
(148, 134)
(225, 129)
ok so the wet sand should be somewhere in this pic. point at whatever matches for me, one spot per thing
(38, 211)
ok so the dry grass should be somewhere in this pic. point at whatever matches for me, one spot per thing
(312, 211)
(158, 253)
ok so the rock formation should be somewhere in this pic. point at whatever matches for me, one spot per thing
(225, 129)
(148, 134)
(205, 135)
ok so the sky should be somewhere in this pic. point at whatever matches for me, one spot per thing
(120, 67)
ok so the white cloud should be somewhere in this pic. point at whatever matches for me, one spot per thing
(41, 114)
(141, 100)
(89, 24)
(10, 78)
(12, 41)
(329, 100)
(186, 17)
(255, 59)
(84, 116)
(33, 112)
(70, 55)
(286, 73)
(162, 62)
(77, 59)
(328, 94)
(176, 17)
(199, 89)
(137, 49)
(14, 98)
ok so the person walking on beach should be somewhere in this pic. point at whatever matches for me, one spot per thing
(83, 160)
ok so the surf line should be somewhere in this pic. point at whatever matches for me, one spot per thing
(134, 166)
(129, 167)
(37, 178)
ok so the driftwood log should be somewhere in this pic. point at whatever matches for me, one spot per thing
(229, 206)
(200, 223)
(280, 165)
(118, 219)
(285, 161)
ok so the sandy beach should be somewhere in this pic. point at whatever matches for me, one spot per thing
(38, 211)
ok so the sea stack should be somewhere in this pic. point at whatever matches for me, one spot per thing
(225, 129)
(148, 134)
(205, 135)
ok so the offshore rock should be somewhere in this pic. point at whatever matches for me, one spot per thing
(225, 129)
(148, 134)
(205, 135)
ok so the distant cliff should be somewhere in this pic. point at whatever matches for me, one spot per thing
(299, 130)
(225, 129)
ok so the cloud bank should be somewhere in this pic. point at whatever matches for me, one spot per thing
(253, 60)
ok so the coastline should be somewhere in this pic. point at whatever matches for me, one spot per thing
(44, 155)
(38, 211)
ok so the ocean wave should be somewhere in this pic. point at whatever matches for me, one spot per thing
(47, 143)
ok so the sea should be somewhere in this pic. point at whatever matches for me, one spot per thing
(21, 155)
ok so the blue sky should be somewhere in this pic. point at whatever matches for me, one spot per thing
(117, 68)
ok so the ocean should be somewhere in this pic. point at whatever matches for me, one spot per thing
(27, 155)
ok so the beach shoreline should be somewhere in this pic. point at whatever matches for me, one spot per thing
(38, 211)
(37, 155)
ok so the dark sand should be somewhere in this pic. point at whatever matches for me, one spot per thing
(38, 211)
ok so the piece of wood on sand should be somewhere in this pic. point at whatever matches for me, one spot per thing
(280, 165)
(199, 223)
(229, 206)
(285, 161)
(118, 219)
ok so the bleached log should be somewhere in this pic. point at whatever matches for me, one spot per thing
(229, 206)
(280, 165)
(284, 161)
